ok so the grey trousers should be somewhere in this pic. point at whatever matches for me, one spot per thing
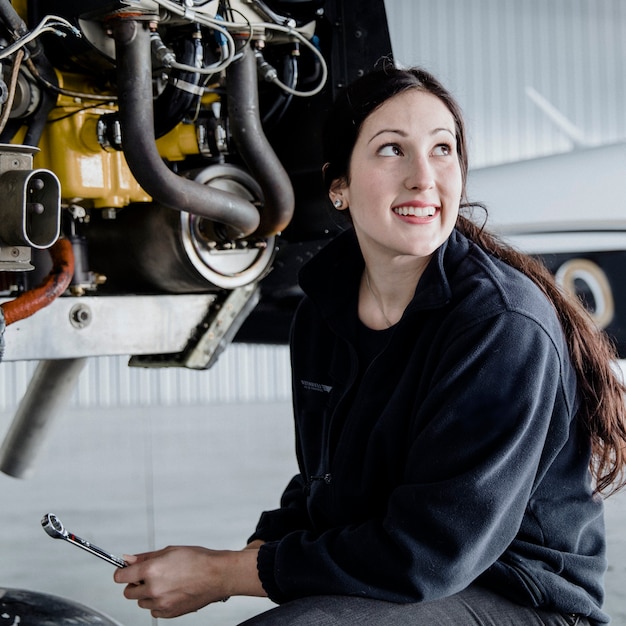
(473, 607)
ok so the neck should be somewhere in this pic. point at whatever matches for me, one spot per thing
(377, 300)
(385, 293)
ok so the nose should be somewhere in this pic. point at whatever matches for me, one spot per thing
(419, 174)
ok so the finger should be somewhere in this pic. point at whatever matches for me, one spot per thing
(143, 556)
(131, 558)
(163, 613)
(136, 591)
(123, 575)
(148, 603)
(128, 575)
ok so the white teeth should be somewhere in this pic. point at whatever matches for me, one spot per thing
(428, 211)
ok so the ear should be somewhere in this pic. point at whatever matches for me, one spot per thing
(338, 185)
(337, 193)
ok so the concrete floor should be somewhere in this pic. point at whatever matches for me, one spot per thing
(131, 479)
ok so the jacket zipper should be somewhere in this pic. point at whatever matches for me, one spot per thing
(327, 478)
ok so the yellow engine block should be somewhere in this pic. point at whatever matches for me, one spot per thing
(90, 174)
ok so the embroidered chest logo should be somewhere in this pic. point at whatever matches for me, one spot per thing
(311, 386)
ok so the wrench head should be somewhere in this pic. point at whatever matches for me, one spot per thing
(53, 526)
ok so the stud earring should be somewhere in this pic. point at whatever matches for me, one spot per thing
(338, 203)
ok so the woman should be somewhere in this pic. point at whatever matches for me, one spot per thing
(456, 415)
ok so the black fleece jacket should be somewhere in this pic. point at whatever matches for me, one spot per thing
(454, 458)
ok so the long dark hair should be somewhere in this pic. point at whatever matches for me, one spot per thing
(602, 411)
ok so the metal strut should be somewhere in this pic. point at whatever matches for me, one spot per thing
(48, 392)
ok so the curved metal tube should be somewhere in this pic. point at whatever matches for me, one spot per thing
(134, 77)
(57, 281)
(49, 391)
(255, 149)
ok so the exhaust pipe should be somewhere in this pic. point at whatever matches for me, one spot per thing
(240, 217)
(255, 149)
(134, 79)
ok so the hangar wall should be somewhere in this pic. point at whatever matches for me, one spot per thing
(242, 374)
(489, 52)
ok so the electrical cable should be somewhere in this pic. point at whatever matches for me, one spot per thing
(222, 26)
(15, 70)
(49, 24)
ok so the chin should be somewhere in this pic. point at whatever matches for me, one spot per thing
(427, 248)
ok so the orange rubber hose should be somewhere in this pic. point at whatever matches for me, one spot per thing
(57, 281)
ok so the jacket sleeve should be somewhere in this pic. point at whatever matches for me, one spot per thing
(493, 419)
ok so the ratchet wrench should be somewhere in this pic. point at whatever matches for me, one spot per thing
(54, 527)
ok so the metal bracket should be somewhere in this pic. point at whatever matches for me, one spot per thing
(15, 258)
(213, 334)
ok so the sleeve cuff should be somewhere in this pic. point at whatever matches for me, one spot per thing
(266, 565)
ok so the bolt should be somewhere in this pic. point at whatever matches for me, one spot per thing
(80, 316)
(36, 208)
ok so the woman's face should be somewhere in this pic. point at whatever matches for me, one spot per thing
(405, 180)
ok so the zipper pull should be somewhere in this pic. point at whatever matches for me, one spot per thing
(327, 478)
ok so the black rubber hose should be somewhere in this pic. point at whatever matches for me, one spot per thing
(134, 81)
(39, 118)
(175, 102)
(254, 148)
(290, 77)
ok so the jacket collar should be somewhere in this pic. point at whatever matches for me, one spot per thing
(331, 279)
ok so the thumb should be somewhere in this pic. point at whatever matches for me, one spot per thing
(130, 558)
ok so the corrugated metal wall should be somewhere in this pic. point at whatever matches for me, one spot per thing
(242, 374)
(488, 52)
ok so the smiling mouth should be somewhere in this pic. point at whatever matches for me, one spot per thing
(415, 211)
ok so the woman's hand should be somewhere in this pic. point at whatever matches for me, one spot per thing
(183, 579)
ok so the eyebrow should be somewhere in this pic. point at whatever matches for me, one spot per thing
(404, 134)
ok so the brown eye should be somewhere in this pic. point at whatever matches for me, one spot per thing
(443, 149)
(390, 149)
